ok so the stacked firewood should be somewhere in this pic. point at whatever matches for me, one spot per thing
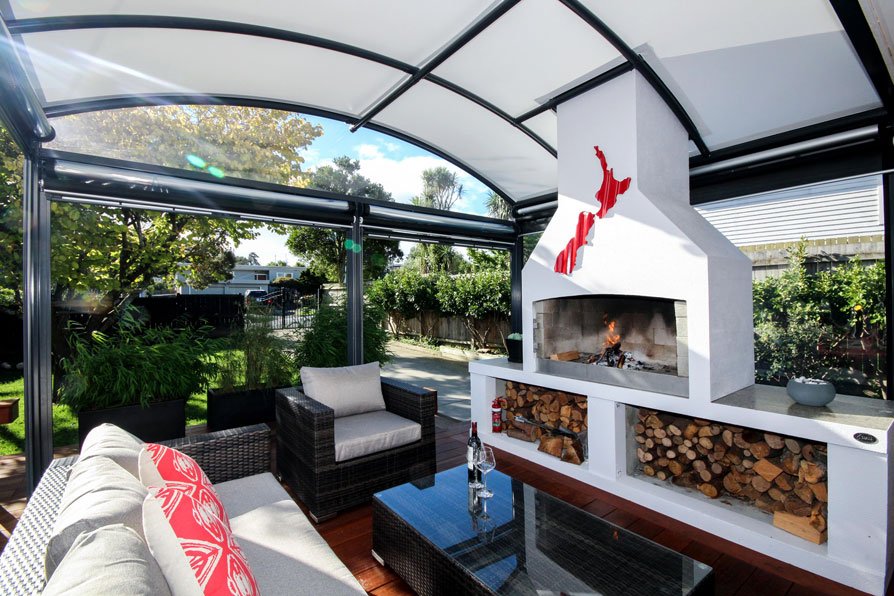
(552, 418)
(781, 475)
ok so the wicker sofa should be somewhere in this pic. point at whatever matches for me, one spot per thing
(285, 552)
(306, 451)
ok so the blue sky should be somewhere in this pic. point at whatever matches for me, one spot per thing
(393, 163)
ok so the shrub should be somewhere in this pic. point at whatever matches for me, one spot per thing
(136, 364)
(325, 343)
(481, 299)
(257, 360)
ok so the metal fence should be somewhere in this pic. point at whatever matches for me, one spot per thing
(283, 309)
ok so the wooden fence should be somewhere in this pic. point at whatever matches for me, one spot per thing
(452, 329)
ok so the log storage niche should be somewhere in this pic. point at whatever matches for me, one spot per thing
(780, 475)
(556, 420)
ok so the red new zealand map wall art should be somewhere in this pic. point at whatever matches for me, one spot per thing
(607, 195)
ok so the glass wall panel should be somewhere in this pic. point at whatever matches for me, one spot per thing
(277, 147)
(12, 386)
(197, 317)
(819, 289)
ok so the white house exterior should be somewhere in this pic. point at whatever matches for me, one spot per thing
(245, 278)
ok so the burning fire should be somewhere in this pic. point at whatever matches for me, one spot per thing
(611, 337)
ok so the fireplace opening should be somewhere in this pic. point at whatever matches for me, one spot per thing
(603, 338)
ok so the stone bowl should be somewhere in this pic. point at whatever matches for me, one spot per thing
(810, 392)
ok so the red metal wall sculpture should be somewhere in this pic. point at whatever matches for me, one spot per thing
(607, 195)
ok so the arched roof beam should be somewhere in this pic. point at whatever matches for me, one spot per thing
(45, 24)
(640, 64)
(155, 99)
(438, 59)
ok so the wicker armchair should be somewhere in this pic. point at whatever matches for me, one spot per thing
(306, 450)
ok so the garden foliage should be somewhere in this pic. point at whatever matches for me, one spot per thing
(325, 343)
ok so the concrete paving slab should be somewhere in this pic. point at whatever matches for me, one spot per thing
(448, 374)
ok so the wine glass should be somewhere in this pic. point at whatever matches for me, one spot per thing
(485, 464)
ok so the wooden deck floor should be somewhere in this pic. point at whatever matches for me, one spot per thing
(739, 571)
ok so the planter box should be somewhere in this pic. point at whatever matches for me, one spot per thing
(9, 410)
(240, 408)
(161, 421)
(514, 347)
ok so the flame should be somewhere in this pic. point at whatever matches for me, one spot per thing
(611, 337)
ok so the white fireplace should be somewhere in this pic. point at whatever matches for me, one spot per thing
(679, 295)
(651, 243)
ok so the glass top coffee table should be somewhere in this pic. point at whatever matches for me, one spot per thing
(442, 540)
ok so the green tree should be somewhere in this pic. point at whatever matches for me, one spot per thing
(484, 260)
(482, 299)
(440, 189)
(11, 163)
(497, 206)
(251, 259)
(435, 258)
(278, 263)
(326, 250)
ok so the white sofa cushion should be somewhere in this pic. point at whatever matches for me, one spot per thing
(109, 560)
(285, 552)
(372, 432)
(348, 390)
(99, 492)
(108, 440)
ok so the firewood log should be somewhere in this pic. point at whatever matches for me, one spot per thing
(652, 421)
(716, 468)
(565, 356)
(553, 446)
(799, 526)
(740, 442)
(747, 463)
(666, 442)
(785, 482)
(520, 434)
(727, 437)
(793, 445)
(710, 489)
(776, 494)
(706, 442)
(774, 441)
(767, 469)
(572, 451)
(691, 430)
(803, 492)
(760, 450)
(791, 462)
(675, 467)
(751, 436)
(661, 475)
(794, 505)
(808, 452)
(660, 433)
(706, 475)
(760, 484)
(820, 491)
(810, 472)
(730, 484)
(648, 470)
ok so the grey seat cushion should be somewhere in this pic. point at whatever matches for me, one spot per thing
(284, 551)
(108, 440)
(99, 492)
(372, 432)
(110, 560)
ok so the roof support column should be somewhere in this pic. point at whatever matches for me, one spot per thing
(516, 262)
(354, 279)
(887, 137)
(37, 320)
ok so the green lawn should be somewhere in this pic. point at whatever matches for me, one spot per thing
(65, 421)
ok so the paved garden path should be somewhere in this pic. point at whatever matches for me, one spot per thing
(449, 374)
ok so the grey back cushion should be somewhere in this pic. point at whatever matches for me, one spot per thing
(107, 440)
(110, 560)
(99, 492)
(348, 390)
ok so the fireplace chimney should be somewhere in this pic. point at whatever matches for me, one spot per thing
(641, 238)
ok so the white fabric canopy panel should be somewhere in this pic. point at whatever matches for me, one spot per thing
(408, 30)
(476, 137)
(86, 64)
(546, 126)
(745, 70)
(534, 52)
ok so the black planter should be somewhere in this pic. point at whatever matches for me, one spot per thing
(514, 346)
(232, 409)
(161, 421)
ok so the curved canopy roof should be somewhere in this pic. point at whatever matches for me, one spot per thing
(474, 80)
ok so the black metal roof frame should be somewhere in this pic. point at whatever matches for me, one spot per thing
(849, 14)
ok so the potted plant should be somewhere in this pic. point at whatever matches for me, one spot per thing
(514, 346)
(249, 372)
(137, 377)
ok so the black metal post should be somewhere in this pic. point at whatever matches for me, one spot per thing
(37, 320)
(354, 280)
(516, 262)
(887, 140)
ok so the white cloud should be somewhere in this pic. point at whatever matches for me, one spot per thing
(369, 151)
(311, 158)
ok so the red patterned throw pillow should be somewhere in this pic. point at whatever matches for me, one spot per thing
(162, 466)
(194, 548)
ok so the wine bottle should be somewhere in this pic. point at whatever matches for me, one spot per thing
(472, 451)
